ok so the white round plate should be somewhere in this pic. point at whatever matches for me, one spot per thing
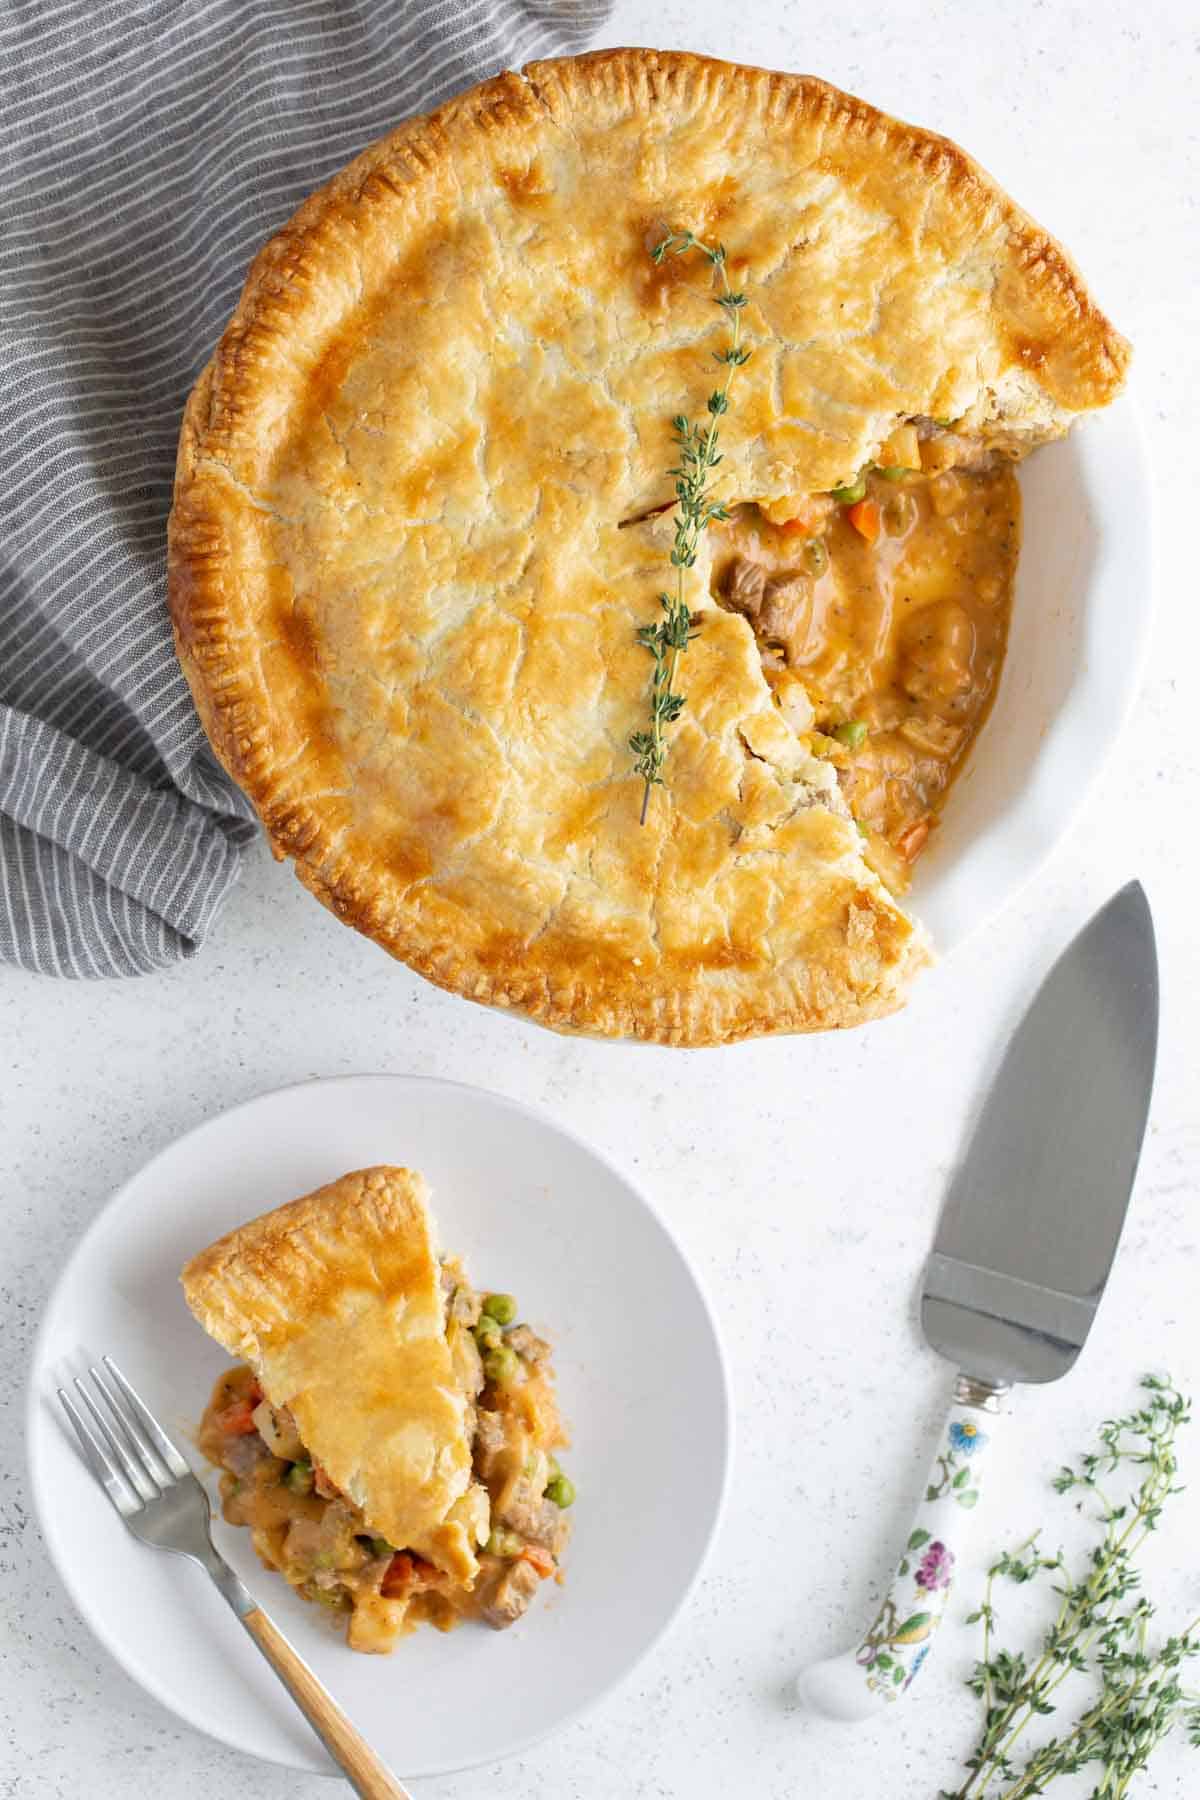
(1079, 633)
(532, 1211)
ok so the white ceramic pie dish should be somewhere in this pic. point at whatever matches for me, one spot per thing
(640, 1374)
(1080, 628)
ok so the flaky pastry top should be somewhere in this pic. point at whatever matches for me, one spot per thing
(401, 588)
(335, 1301)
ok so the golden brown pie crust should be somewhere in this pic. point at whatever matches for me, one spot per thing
(335, 1300)
(399, 589)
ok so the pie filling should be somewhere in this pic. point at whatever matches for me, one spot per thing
(881, 613)
(302, 1526)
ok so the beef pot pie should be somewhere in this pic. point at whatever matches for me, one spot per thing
(388, 1433)
(424, 511)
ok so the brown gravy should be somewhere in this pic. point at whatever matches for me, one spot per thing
(895, 632)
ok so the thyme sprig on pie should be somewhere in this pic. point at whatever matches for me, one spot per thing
(694, 512)
(407, 581)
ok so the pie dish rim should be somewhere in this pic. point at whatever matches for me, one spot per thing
(552, 991)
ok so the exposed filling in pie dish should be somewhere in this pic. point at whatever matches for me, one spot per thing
(570, 707)
(881, 613)
(315, 1536)
(388, 1435)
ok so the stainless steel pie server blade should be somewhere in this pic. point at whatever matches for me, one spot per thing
(1023, 1250)
(1034, 1213)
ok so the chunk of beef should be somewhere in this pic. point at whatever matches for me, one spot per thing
(326, 1543)
(240, 1455)
(743, 586)
(490, 1443)
(528, 1344)
(305, 1542)
(787, 605)
(512, 1595)
(537, 1519)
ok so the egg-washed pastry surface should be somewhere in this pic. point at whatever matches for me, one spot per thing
(388, 1435)
(422, 513)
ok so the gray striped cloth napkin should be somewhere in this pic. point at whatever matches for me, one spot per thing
(147, 147)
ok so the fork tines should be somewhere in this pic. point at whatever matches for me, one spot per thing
(126, 1448)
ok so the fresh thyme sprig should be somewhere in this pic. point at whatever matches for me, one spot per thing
(1101, 1629)
(694, 511)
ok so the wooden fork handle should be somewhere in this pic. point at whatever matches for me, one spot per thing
(363, 1769)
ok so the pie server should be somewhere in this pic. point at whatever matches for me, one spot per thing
(1023, 1250)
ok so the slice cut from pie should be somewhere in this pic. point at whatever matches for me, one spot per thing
(422, 513)
(388, 1435)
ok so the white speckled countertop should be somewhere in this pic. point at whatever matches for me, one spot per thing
(804, 1177)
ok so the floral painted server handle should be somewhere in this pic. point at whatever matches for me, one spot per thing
(871, 1677)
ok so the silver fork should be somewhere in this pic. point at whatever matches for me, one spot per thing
(155, 1492)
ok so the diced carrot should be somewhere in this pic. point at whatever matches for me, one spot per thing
(238, 1420)
(398, 1576)
(539, 1559)
(407, 1573)
(864, 516)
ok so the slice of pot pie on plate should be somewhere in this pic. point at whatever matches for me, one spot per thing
(388, 1435)
(477, 440)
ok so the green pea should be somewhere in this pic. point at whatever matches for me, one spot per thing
(299, 1477)
(896, 474)
(381, 1547)
(561, 1491)
(503, 1543)
(488, 1334)
(501, 1307)
(860, 828)
(501, 1366)
(848, 496)
(853, 734)
(816, 556)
